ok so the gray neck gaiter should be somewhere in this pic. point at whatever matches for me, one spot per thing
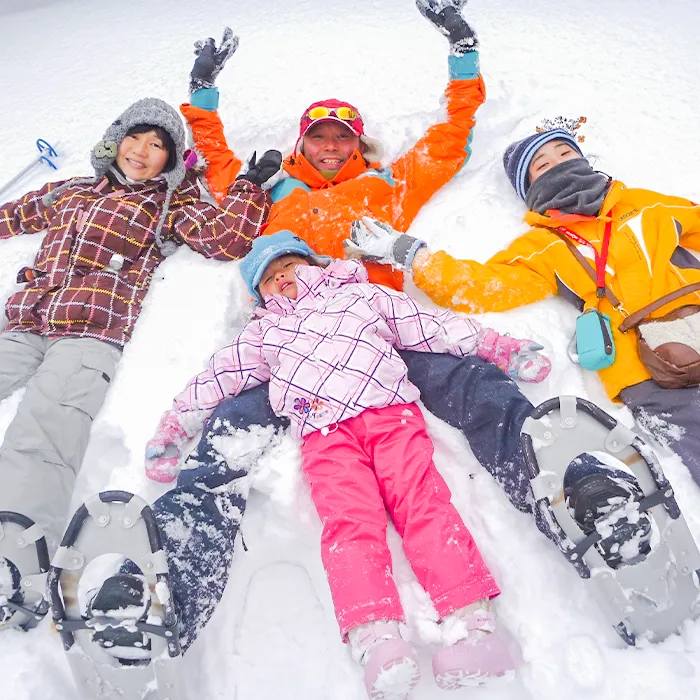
(572, 187)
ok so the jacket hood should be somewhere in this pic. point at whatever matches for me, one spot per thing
(314, 283)
(149, 110)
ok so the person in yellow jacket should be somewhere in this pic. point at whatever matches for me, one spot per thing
(651, 235)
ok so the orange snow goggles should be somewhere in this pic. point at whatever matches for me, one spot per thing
(347, 114)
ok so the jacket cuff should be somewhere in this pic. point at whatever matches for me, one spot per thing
(404, 250)
(465, 67)
(205, 98)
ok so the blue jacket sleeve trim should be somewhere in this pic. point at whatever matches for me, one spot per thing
(464, 67)
(383, 174)
(205, 98)
(285, 187)
(468, 149)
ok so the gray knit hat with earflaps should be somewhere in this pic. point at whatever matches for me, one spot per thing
(155, 112)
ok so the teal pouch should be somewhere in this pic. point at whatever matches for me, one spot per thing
(594, 341)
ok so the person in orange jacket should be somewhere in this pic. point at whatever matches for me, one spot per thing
(650, 236)
(334, 174)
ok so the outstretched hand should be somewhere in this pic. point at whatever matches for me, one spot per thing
(370, 239)
(163, 450)
(210, 59)
(447, 18)
(518, 358)
(375, 240)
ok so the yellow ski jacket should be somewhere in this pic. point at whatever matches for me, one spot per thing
(648, 257)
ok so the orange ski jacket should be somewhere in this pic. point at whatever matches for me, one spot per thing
(321, 211)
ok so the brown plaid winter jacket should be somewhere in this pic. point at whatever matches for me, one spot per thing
(75, 291)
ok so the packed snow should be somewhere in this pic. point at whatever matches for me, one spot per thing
(69, 67)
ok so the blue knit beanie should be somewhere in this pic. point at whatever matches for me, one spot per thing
(266, 249)
(517, 158)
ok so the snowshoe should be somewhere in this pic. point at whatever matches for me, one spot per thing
(24, 565)
(619, 526)
(109, 590)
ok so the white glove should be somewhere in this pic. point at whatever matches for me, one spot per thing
(376, 241)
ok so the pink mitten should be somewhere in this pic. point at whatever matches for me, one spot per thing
(163, 449)
(519, 359)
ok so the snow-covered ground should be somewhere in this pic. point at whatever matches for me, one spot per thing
(67, 68)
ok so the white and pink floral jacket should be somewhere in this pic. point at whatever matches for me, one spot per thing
(330, 353)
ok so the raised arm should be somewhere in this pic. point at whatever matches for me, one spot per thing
(445, 148)
(202, 117)
(208, 135)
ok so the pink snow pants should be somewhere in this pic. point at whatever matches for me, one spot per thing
(383, 458)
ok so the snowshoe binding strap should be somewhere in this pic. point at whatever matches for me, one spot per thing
(632, 543)
(618, 501)
(24, 565)
(123, 597)
(118, 627)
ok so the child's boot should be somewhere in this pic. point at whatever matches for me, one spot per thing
(474, 651)
(391, 664)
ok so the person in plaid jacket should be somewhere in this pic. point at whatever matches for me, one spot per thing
(76, 309)
(326, 340)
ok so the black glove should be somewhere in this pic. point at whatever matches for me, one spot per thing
(211, 60)
(261, 171)
(445, 15)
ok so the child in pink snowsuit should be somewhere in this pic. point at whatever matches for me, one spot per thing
(326, 339)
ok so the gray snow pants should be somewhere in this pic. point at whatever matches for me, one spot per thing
(672, 416)
(44, 446)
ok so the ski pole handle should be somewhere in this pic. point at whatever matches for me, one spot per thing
(47, 151)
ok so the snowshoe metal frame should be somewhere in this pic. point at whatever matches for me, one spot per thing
(650, 597)
(121, 523)
(23, 544)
